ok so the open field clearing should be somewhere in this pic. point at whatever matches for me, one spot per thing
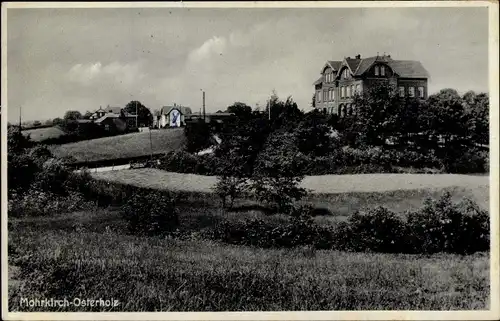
(152, 274)
(337, 193)
(41, 134)
(122, 146)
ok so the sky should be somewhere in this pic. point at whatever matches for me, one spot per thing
(80, 59)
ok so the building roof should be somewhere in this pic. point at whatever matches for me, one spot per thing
(83, 121)
(319, 81)
(114, 110)
(108, 115)
(183, 109)
(335, 64)
(353, 63)
(403, 68)
(408, 69)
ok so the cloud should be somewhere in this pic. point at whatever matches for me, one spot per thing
(92, 74)
(213, 46)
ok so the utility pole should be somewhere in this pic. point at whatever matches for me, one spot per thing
(204, 115)
(136, 115)
(20, 112)
(151, 145)
(269, 109)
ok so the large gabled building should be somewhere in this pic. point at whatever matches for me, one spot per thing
(340, 80)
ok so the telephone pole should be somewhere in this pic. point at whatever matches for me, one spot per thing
(20, 112)
(204, 115)
(136, 115)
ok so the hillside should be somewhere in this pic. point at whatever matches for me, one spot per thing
(122, 146)
(41, 134)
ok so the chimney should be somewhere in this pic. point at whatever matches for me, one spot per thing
(358, 56)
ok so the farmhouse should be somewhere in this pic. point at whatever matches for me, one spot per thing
(341, 80)
(114, 118)
(173, 116)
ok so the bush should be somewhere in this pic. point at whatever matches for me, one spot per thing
(231, 187)
(150, 213)
(184, 162)
(43, 203)
(462, 160)
(279, 193)
(441, 226)
(379, 230)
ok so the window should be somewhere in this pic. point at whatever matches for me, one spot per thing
(333, 94)
(382, 70)
(376, 71)
(421, 92)
(348, 91)
(358, 89)
(411, 91)
(325, 95)
(401, 91)
(318, 96)
(352, 90)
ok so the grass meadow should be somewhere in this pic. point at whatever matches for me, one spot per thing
(89, 255)
(334, 194)
(122, 146)
(41, 134)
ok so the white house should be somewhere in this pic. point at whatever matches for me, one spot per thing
(173, 116)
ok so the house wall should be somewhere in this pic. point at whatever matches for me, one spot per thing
(406, 82)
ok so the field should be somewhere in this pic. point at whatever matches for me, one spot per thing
(339, 194)
(41, 134)
(122, 146)
(90, 253)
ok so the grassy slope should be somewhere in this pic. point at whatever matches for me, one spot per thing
(339, 194)
(122, 146)
(40, 134)
(174, 275)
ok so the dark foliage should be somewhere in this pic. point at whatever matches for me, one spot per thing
(197, 135)
(150, 213)
(440, 226)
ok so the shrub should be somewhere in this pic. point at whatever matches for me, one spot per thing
(460, 159)
(441, 226)
(279, 193)
(184, 162)
(42, 203)
(378, 230)
(52, 176)
(150, 213)
(278, 172)
(231, 187)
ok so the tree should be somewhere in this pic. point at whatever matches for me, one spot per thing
(377, 115)
(477, 107)
(447, 117)
(144, 118)
(278, 173)
(313, 135)
(57, 121)
(284, 114)
(197, 136)
(240, 110)
(72, 115)
(87, 114)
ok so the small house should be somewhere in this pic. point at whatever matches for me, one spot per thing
(173, 116)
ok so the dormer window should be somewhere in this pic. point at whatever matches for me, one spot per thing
(382, 70)
(376, 70)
